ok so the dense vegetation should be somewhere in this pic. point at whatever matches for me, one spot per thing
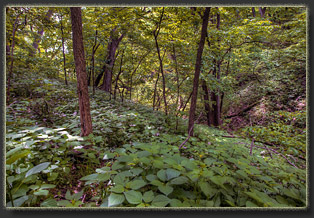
(246, 145)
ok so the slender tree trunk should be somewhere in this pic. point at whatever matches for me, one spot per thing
(63, 52)
(262, 11)
(134, 71)
(79, 58)
(206, 102)
(117, 78)
(15, 26)
(156, 33)
(253, 12)
(40, 34)
(155, 91)
(178, 85)
(197, 70)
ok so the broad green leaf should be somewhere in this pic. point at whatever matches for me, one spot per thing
(115, 199)
(165, 189)
(18, 155)
(136, 171)
(151, 177)
(117, 188)
(176, 203)
(78, 195)
(206, 189)
(49, 203)
(160, 201)
(137, 184)
(171, 173)
(250, 204)
(133, 197)
(179, 180)
(156, 183)
(37, 169)
(41, 192)
(18, 202)
(148, 196)
(47, 186)
(161, 174)
(90, 177)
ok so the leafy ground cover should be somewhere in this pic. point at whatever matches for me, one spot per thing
(133, 159)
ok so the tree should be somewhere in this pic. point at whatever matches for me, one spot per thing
(198, 63)
(82, 87)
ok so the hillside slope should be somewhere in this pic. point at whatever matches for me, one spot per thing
(133, 159)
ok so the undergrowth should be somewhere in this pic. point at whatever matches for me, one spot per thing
(132, 159)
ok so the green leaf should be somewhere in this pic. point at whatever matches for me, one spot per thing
(18, 202)
(179, 180)
(46, 186)
(148, 196)
(161, 174)
(49, 203)
(137, 184)
(206, 189)
(115, 199)
(156, 182)
(165, 189)
(250, 204)
(41, 193)
(78, 195)
(160, 201)
(37, 169)
(117, 188)
(151, 177)
(171, 173)
(133, 197)
(90, 177)
(136, 171)
(18, 155)
(125, 159)
(176, 203)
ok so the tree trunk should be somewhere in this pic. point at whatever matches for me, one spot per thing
(117, 78)
(15, 26)
(197, 70)
(40, 34)
(262, 11)
(253, 12)
(156, 33)
(112, 47)
(206, 102)
(62, 37)
(79, 58)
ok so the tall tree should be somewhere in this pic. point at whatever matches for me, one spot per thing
(63, 51)
(198, 63)
(156, 33)
(82, 87)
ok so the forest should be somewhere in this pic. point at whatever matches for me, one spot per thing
(156, 107)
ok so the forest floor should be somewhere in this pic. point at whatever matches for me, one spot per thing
(133, 158)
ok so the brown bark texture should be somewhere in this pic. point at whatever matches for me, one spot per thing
(79, 58)
(198, 70)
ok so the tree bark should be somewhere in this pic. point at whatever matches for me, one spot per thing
(15, 26)
(253, 12)
(206, 102)
(156, 33)
(117, 78)
(79, 58)
(262, 11)
(197, 70)
(63, 53)
(112, 47)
